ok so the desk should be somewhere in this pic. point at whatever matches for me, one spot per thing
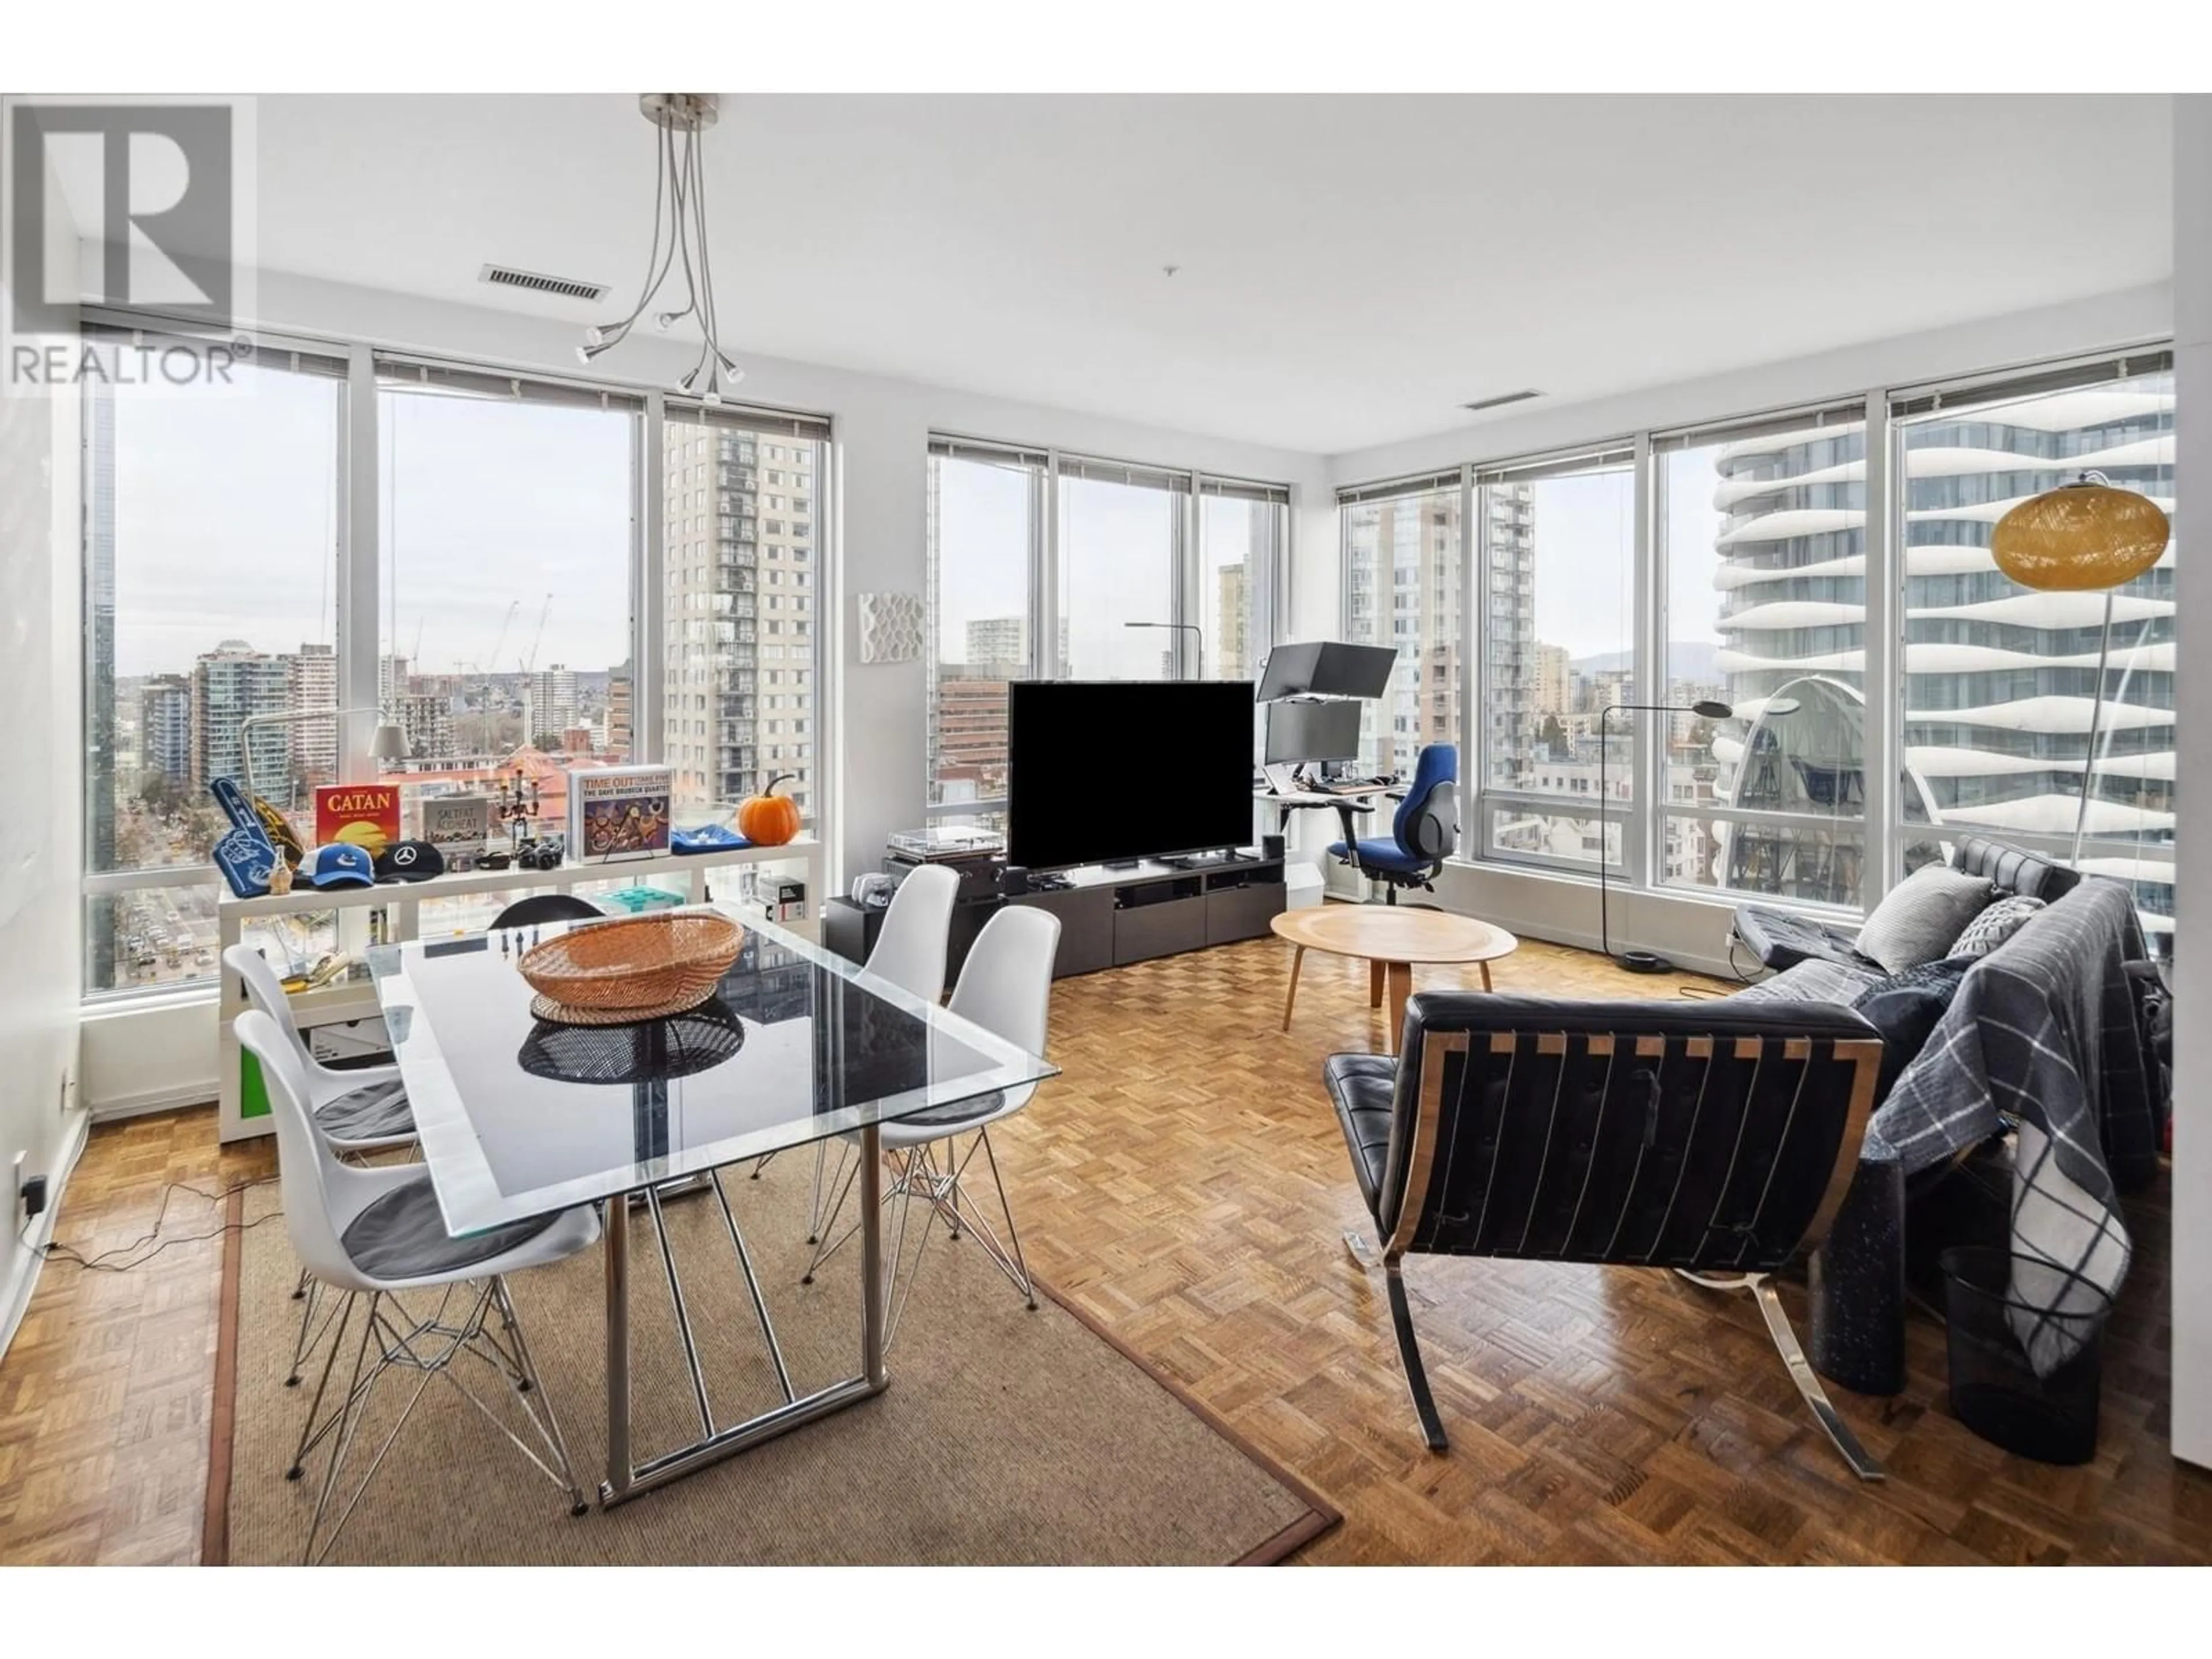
(1392, 939)
(401, 903)
(795, 1046)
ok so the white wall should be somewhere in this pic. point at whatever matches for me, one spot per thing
(40, 833)
(1692, 929)
(2192, 1129)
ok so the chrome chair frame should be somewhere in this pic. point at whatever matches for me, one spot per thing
(1439, 1047)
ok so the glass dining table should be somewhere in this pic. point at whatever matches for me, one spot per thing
(520, 1117)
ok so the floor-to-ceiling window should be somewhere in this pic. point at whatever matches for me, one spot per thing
(1241, 529)
(1760, 531)
(1845, 759)
(1146, 573)
(220, 602)
(508, 517)
(2001, 684)
(1556, 606)
(1122, 530)
(210, 548)
(1403, 558)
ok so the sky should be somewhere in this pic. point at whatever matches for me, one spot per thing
(485, 504)
(1116, 545)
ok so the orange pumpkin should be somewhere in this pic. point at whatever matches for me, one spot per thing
(768, 819)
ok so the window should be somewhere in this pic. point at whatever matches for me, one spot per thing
(507, 523)
(1240, 562)
(1135, 545)
(1555, 605)
(210, 523)
(986, 521)
(1120, 556)
(1762, 535)
(1402, 587)
(2001, 683)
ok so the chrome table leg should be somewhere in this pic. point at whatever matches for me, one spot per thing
(616, 1486)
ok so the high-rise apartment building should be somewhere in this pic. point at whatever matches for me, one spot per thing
(311, 684)
(1998, 681)
(427, 718)
(621, 733)
(740, 511)
(1554, 683)
(229, 684)
(1229, 655)
(165, 729)
(997, 647)
(550, 695)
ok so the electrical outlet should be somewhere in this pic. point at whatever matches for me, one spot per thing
(15, 1216)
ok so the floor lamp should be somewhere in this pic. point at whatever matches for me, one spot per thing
(1192, 629)
(1636, 961)
(2082, 538)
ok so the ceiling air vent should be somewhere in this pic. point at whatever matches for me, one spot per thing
(565, 288)
(1500, 401)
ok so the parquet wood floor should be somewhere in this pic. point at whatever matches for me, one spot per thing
(1185, 1182)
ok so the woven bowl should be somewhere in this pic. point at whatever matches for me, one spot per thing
(641, 968)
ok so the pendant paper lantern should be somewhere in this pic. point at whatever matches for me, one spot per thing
(2081, 537)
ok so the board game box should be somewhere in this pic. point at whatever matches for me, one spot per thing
(617, 812)
(365, 814)
(457, 826)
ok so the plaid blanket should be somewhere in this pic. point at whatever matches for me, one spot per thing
(2042, 1033)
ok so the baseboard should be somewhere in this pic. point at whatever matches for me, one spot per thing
(23, 1275)
(146, 1102)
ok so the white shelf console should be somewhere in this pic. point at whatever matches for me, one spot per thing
(402, 903)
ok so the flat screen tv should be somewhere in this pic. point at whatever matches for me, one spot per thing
(1100, 771)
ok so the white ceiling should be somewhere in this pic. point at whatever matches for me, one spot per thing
(1352, 269)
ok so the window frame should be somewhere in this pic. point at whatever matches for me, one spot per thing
(1883, 409)
(359, 581)
(1049, 464)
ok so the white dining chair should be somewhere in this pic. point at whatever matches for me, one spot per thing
(909, 951)
(376, 1233)
(360, 1110)
(1006, 987)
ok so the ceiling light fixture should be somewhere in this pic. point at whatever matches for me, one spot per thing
(679, 238)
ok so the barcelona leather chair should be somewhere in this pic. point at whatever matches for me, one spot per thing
(1714, 1141)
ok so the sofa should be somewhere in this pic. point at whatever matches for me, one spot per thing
(1781, 940)
(1958, 1097)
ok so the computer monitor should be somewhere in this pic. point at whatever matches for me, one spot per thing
(1301, 731)
(1329, 668)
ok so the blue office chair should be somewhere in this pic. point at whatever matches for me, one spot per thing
(1421, 837)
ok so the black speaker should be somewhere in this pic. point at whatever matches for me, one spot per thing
(1014, 878)
(1271, 847)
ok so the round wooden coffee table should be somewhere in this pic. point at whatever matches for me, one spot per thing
(1391, 939)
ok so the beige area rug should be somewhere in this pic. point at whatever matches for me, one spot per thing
(1006, 1435)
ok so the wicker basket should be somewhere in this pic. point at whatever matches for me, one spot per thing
(612, 972)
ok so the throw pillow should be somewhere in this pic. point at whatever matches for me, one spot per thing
(1906, 1009)
(1995, 925)
(1923, 916)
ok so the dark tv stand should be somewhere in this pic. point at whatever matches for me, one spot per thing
(1112, 915)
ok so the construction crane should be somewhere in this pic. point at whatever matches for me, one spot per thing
(530, 662)
(491, 663)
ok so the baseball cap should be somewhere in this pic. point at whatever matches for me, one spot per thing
(340, 863)
(410, 860)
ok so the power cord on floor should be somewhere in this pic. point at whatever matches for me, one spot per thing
(104, 1263)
